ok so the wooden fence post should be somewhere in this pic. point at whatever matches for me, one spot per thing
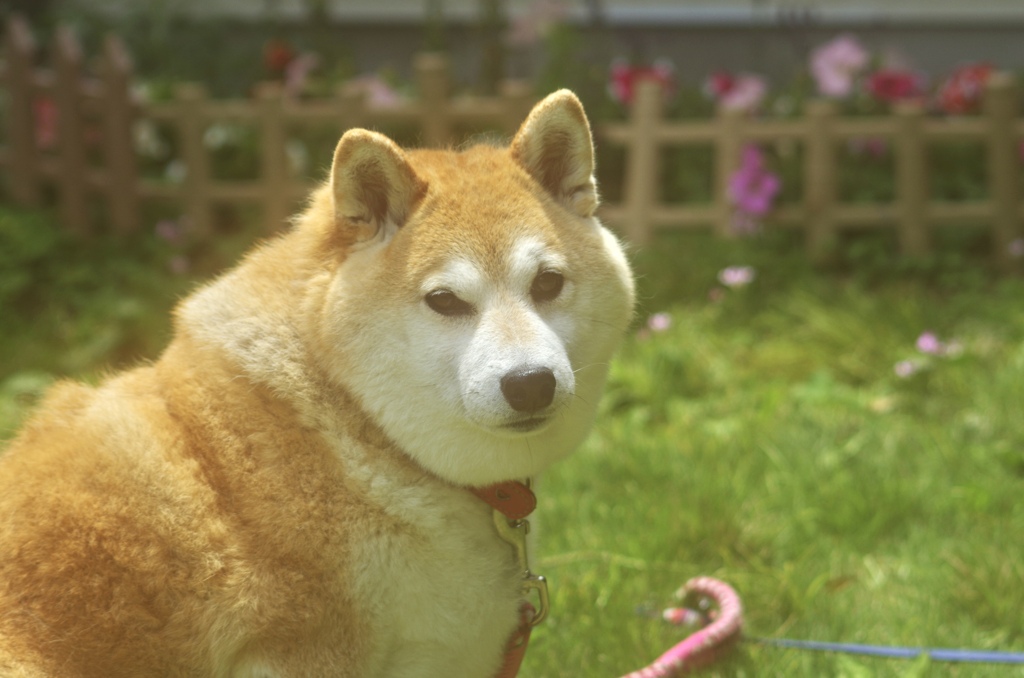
(820, 180)
(434, 86)
(72, 175)
(517, 98)
(191, 126)
(122, 175)
(274, 158)
(1003, 167)
(642, 162)
(728, 148)
(911, 179)
(23, 158)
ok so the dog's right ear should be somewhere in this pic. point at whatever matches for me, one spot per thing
(373, 185)
(554, 145)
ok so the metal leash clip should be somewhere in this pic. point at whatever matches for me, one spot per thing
(514, 532)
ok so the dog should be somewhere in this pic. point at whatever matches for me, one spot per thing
(287, 490)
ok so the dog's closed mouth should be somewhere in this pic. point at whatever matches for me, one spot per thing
(527, 425)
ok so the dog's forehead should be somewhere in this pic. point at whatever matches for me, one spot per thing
(481, 207)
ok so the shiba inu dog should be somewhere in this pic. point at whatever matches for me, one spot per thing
(286, 491)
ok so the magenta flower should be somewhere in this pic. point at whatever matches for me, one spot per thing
(836, 64)
(752, 189)
(737, 276)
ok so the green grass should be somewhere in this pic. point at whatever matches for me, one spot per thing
(763, 438)
(72, 307)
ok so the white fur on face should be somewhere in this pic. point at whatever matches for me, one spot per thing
(507, 331)
(434, 382)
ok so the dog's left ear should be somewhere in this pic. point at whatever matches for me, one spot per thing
(554, 146)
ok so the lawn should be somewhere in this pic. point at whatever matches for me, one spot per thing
(787, 435)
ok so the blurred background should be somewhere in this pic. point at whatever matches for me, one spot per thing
(819, 400)
(491, 38)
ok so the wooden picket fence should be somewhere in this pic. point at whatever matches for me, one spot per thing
(821, 130)
(94, 153)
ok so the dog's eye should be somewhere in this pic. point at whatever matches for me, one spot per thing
(546, 286)
(446, 303)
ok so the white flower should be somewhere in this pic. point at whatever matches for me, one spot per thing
(219, 135)
(298, 157)
(175, 171)
(147, 139)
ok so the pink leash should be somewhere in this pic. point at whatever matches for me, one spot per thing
(704, 646)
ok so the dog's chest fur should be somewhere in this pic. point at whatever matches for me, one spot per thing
(440, 588)
(444, 591)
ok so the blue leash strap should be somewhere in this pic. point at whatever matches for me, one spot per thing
(937, 654)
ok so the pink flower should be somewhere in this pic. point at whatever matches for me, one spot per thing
(296, 73)
(752, 189)
(530, 27)
(1017, 248)
(963, 90)
(622, 84)
(906, 368)
(179, 265)
(929, 343)
(836, 64)
(892, 85)
(736, 276)
(377, 91)
(659, 322)
(169, 230)
(744, 92)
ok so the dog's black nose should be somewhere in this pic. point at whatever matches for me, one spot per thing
(529, 389)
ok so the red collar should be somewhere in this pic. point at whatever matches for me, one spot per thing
(512, 499)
